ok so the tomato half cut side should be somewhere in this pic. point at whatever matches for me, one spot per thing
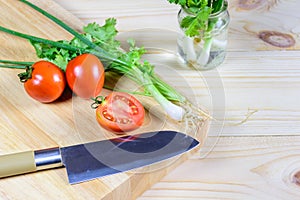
(120, 112)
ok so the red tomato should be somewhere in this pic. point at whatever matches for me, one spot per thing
(85, 75)
(120, 112)
(47, 82)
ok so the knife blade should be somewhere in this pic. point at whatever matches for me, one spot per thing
(93, 160)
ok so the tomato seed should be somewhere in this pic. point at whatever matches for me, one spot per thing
(134, 109)
(124, 121)
(108, 116)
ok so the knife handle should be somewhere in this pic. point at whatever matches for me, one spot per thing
(17, 163)
(29, 161)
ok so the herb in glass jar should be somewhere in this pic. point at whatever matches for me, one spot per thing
(204, 24)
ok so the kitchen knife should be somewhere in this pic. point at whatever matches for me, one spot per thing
(97, 159)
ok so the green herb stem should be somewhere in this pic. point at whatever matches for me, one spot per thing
(61, 45)
(98, 51)
(69, 47)
(13, 66)
(39, 40)
(16, 62)
(61, 23)
(205, 53)
(169, 92)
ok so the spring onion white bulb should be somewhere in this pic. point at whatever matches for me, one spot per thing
(205, 53)
(174, 111)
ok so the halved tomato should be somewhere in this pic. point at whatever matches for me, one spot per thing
(120, 112)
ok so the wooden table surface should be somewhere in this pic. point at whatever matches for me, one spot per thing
(259, 81)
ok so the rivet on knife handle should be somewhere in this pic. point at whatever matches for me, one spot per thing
(29, 161)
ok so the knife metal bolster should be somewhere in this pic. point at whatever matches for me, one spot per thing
(48, 158)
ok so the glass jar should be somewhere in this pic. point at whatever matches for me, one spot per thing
(208, 49)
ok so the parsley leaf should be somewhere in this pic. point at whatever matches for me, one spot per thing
(197, 22)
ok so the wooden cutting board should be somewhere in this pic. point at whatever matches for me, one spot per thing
(26, 124)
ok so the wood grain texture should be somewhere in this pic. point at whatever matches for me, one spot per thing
(236, 168)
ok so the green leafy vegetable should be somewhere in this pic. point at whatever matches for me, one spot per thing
(200, 11)
(193, 24)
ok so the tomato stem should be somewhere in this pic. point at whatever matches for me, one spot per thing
(97, 101)
(24, 76)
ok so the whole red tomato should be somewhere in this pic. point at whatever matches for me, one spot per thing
(85, 75)
(45, 81)
(120, 112)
